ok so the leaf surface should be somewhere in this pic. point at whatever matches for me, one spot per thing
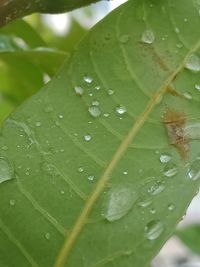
(89, 158)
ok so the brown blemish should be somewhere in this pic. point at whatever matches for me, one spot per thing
(175, 125)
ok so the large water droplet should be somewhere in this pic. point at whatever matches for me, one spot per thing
(194, 170)
(170, 170)
(193, 63)
(153, 229)
(94, 111)
(88, 79)
(121, 110)
(118, 203)
(148, 37)
(79, 90)
(6, 170)
(164, 158)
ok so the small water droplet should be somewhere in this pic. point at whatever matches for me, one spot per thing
(94, 111)
(164, 158)
(119, 202)
(88, 137)
(197, 87)
(80, 169)
(170, 170)
(79, 90)
(193, 63)
(95, 103)
(121, 110)
(153, 211)
(124, 38)
(157, 188)
(145, 203)
(177, 30)
(185, 20)
(148, 37)
(48, 109)
(110, 92)
(47, 236)
(12, 202)
(153, 229)
(6, 170)
(171, 207)
(88, 79)
(97, 87)
(62, 192)
(194, 170)
(91, 177)
(187, 95)
(60, 116)
(125, 172)
(106, 115)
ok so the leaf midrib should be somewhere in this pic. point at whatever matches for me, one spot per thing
(81, 220)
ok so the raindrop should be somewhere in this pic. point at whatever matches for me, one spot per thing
(170, 170)
(47, 236)
(79, 90)
(119, 202)
(88, 79)
(6, 170)
(110, 92)
(164, 158)
(91, 177)
(148, 37)
(197, 87)
(124, 38)
(153, 229)
(87, 137)
(94, 111)
(193, 63)
(12, 202)
(171, 207)
(121, 110)
(194, 170)
(156, 188)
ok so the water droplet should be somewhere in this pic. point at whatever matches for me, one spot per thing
(12, 202)
(157, 188)
(62, 192)
(171, 207)
(80, 169)
(47, 236)
(6, 170)
(88, 137)
(177, 30)
(95, 103)
(164, 158)
(60, 116)
(187, 95)
(79, 90)
(153, 211)
(88, 79)
(91, 177)
(124, 38)
(97, 87)
(110, 92)
(153, 229)
(185, 20)
(170, 170)
(38, 124)
(194, 170)
(197, 86)
(94, 111)
(193, 63)
(125, 172)
(119, 202)
(145, 203)
(121, 110)
(148, 37)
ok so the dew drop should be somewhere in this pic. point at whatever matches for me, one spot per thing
(88, 79)
(91, 178)
(170, 170)
(153, 229)
(6, 170)
(12, 202)
(60, 116)
(148, 37)
(153, 211)
(124, 38)
(194, 170)
(94, 111)
(110, 92)
(145, 203)
(87, 137)
(125, 172)
(193, 63)
(164, 158)
(97, 87)
(95, 103)
(187, 95)
(197, 87)
(121, 110)
(62, 192)
(47, 236)
(157, 188)
(171, 207)
(80, 169)
(119, 202)
(79, 90)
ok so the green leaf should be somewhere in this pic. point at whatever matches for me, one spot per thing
(89, 157)
(190, 236)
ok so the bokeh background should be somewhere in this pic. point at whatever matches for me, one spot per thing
(31, 52)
